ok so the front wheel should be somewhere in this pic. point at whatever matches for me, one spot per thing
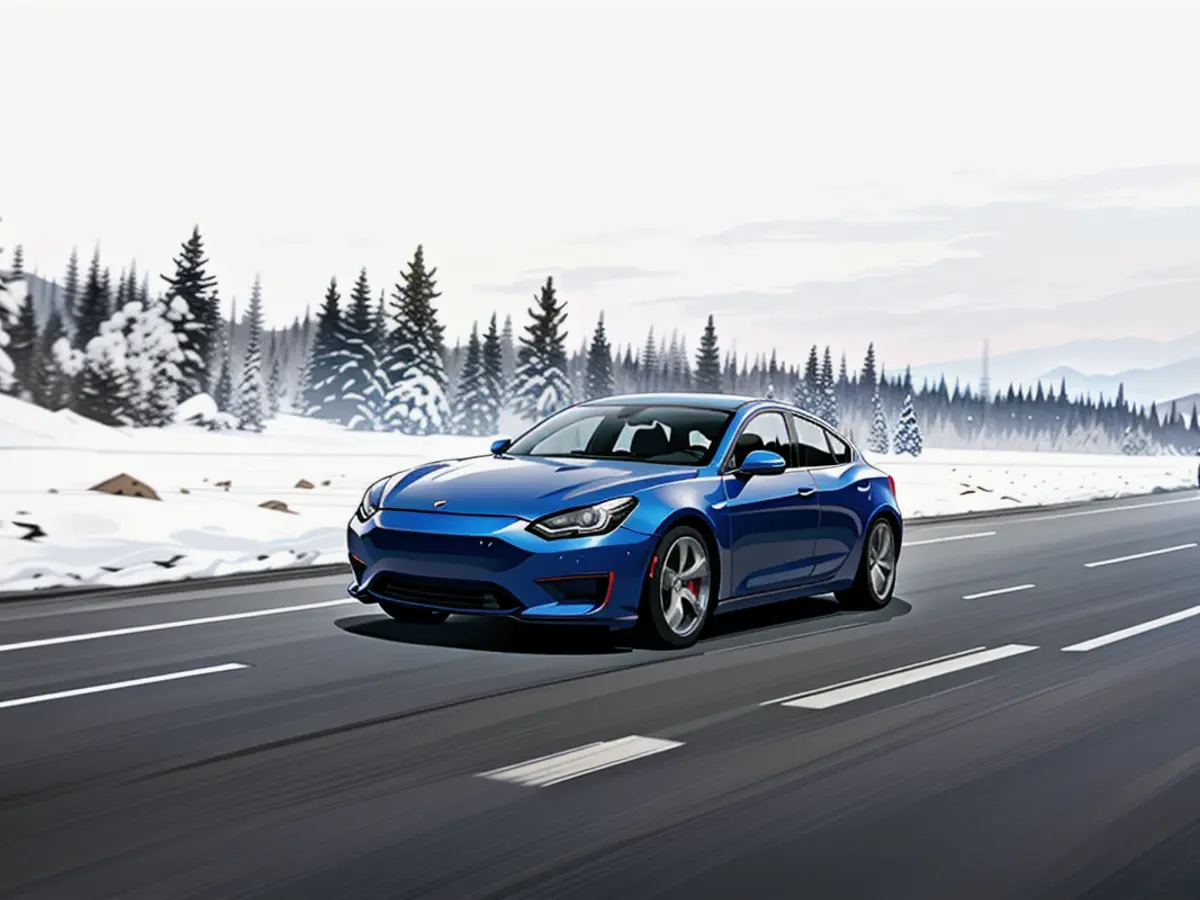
(413, 615)
(876, 578)
(679, 594)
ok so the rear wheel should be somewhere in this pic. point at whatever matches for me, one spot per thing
(413, 615)
(680, 591)
(876, 578)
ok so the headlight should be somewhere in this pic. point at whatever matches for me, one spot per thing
(586, 520)
(369, 504)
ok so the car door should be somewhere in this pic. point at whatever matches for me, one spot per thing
(772, 518)
(844, 491)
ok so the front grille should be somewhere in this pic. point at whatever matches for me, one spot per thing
(487, 553)
(481, 596)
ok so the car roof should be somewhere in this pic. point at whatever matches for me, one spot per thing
(697, 399)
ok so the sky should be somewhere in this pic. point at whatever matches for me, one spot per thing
(924, 176)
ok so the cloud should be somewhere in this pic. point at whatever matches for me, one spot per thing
(577, 278)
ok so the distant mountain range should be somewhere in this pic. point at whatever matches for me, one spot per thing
(1152, 371)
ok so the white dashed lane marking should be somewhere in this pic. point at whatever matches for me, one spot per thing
(559, 767)
(953, 537)
(121, 685)
(869, 686)
(167, 626)
(1136, 556)
(996, 593)
(1133, 631)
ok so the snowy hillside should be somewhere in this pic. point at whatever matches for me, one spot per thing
(210, 520)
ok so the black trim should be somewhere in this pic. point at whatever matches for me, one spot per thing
(792, 467)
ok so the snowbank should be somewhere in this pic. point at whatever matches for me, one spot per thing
(55, 531)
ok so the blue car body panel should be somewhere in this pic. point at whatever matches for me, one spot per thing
(455, 535)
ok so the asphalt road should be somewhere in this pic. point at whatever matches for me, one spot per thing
(1029, 744)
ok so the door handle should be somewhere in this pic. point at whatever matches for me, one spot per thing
(865, 486)
(806, 491)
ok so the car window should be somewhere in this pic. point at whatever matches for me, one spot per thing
(841, 450)
(812, 447)
(668, 435)
(766, 431)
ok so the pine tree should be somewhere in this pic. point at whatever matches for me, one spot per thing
(829, 404)
(18, 263)
(356, 368)
(92, 306)
(52, 382)
(320, 395)
(599, 382)
(870, 378)
(508, 349)
(908, 431)
(251, 403)
(541, 383)
(415, 365)
(808, 394)
(472, 412)
(649, 363)
(22, 348)
(708, 361)
(274, 381)
(224, 390)
(193, 285)
(878, 441)
(70, 292)
(493, 375)
(8, 317)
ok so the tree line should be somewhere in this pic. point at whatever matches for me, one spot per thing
(380, 362)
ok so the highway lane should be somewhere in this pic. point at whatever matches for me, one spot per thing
(344, 759)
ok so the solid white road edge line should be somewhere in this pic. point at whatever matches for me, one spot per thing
(1111, 509)
(121, 685)
(1132, 631)
(839, 695)
(999, 591)
(558, 767)
(953, 537)
(1147, 555)
(165, 626)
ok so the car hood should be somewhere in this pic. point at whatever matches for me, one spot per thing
(525, 487)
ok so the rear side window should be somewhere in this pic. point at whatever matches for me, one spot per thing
(840, 449)
(812, 446)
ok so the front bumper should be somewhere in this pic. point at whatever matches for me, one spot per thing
(491, 565)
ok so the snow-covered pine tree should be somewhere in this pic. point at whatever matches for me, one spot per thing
(224, 390)
(541, 386)
(320, 395)
(70, 293)
(599, 380)
(908, 431)
(708, 360)
(471, 402)
(829, 403)
(274, 381)
(17, 272)
(508, 349)
(770, 393)
(416, 402)
(193, 284)
(9, 312)
(493, 375)
(250, 405)
(22, 346)
(1134, 441)
(879, 439)
(357, 371)
(808, 394)
(51, 383)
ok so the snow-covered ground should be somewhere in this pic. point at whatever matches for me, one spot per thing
(200, 527)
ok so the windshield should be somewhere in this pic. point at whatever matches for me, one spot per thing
(670, 435)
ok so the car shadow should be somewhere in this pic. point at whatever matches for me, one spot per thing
(489, 635)
(497, 635)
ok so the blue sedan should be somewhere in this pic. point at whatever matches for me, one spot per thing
(654, 511)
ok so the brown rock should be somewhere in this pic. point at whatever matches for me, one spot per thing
(126, 486)
(277, 505)
(305, 484)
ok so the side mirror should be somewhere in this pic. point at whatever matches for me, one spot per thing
(762, 462)
(501, 446)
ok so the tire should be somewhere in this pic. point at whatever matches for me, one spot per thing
(874, 591)
(675, 611)
(413, 615)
